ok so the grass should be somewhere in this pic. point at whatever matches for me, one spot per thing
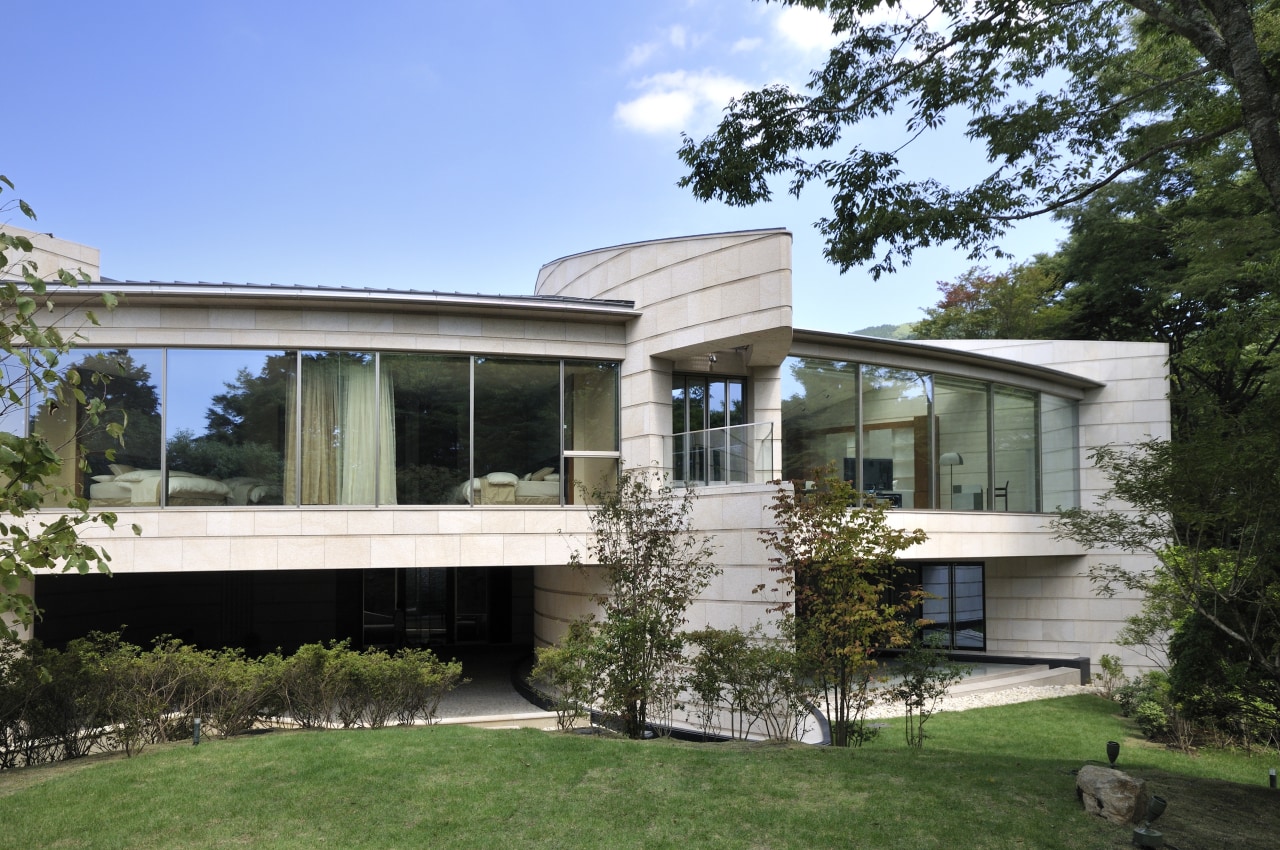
(990, 778)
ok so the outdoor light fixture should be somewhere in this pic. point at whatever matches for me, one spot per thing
(1113, 752)
(1145, 836)
(951, 460)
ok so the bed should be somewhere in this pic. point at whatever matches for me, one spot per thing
(507, 488)
(126, 487)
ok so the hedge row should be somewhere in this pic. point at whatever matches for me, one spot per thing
(103, 693)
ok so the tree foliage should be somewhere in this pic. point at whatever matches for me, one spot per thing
(836, 567)
(31, 350)
(1064, 98)
(654, 566)
(1207, 507)
(1021, 303)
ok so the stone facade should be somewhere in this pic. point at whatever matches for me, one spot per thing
(718, 304)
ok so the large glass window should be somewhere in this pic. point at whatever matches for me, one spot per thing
(345, 415)
(432, 426)
(922, 441)
(127, 383)
(700, 403)
(819, 417)
(590, 427)
(1015, 465)
(1059, 453)
(896, 457)
(963, 430)
(517, 429)
(226, 423)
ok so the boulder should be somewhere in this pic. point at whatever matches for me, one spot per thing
(1112, 794)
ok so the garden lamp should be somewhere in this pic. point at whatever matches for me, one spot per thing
(1145, 836)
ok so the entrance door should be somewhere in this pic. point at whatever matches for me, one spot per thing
(471, 605)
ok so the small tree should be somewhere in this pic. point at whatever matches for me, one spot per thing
(925, 674)
(30, 348)
(837, 568)
(654, 567)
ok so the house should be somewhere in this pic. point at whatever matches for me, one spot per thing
(397, 467)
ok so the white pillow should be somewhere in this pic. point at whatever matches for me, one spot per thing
(136, 475)
(554, 476)
(542, 474)
(103, 479)
(502, 478)
(119, 468)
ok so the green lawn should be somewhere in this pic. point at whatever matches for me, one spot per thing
(991, 778)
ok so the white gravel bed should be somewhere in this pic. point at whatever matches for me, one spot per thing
(1007, 696)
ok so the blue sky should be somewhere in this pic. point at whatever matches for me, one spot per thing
(425, 145)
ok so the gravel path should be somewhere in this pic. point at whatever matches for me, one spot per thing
(1007, 696)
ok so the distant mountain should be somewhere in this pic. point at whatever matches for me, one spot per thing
(903, 331)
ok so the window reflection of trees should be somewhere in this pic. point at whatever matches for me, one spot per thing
(334, 427)
(245, 433)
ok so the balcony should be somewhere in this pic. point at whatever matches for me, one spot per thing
(738, 454)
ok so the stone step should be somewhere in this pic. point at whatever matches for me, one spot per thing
(1038, 675)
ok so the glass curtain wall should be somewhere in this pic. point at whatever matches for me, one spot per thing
(261, 427)
(819, 418)
(1015, 464)
(961, 414)
(516, 425)
(590, 427)
(431, 413)
(1059, 453)
(227, 417)
(922, 441)
(896, 435)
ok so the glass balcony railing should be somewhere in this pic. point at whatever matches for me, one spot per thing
(739, 454)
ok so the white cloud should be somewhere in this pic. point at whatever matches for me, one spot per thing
(805, 29)
(640, 54)
(678, 37)
(746, 45)
(678, 100)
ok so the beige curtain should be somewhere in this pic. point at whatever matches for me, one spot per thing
(343, 411)
(367, 450)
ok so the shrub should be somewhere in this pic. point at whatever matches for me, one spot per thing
(1112, 675)
(239, 690)
(102, 691)
(745, 680)
(311, 682)
(1151, 686)
(568, 675)
(1153, 718)
(420, 680)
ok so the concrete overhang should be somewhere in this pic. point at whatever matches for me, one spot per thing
(922, 357)
(232, 295)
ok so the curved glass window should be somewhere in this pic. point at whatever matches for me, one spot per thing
(916, 440)
(896, 438)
